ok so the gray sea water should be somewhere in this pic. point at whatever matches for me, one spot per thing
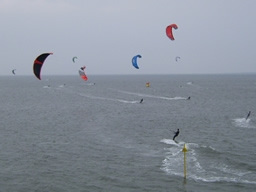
(63, 134)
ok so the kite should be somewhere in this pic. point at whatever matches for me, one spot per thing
(134, 61)
(82, 73)
(38, 63)
(177, 58)
(74, 59)
(169, 30)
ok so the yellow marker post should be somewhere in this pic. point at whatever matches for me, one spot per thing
(185, 161)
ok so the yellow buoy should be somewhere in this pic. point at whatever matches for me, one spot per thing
(185, 161)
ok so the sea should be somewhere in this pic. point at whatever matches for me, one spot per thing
(64, 134)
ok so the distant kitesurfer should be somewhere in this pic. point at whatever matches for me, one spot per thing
(248, 115)
(176, 134)
(188, 98)
(141, 100)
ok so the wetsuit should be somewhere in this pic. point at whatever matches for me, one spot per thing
(141, 100)
(176, 134)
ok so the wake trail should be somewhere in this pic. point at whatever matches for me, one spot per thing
(152, 96)
(243, 123)
(108, 99)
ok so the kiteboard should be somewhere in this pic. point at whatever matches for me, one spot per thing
(170, 142)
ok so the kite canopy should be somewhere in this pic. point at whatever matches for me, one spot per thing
(134, 61)
(169, 30)
(13, 71)
(74, 59)
(177, 58)
(82, 73)
(38, 63)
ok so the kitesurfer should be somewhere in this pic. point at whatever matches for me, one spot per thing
(188, 98)
(176, 134)
(248, 115)
(141, 100)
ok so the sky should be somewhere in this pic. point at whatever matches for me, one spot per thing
(213, 36)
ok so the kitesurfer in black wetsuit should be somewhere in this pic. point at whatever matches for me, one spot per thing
(141, 100)
(188, 98)
(176, 134)
(248, 115)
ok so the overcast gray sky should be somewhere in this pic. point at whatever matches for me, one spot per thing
(214, 36)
